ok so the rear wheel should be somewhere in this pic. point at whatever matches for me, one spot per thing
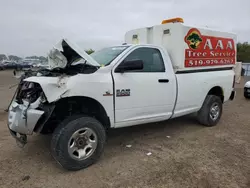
(211, 111)
(78, 142)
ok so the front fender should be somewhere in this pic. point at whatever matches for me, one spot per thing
(53, 87)
(56, 88)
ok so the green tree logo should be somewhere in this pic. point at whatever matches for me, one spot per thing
(194, 40)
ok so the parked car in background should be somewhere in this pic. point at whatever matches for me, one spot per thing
(10, 65)
(247, 90)
(14, 65)
(44, 66)
(25, 65)
(1, 66)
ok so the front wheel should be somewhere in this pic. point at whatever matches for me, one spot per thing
(211, 111)
(78, 142)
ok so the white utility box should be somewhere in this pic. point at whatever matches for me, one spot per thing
(189, 47)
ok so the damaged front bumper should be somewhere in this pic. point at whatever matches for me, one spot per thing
(22, 119)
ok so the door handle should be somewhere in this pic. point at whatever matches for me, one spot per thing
(163, 80)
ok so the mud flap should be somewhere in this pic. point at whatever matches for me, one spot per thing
(233, 95)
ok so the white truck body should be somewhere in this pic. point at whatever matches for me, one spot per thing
(149, 100)
(182, 66)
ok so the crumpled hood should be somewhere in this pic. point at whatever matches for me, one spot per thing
(66, 52)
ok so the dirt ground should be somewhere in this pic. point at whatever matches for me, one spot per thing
(184, 154)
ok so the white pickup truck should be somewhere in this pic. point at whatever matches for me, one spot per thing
(166, 71)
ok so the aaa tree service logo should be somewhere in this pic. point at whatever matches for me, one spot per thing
(205, 50)
(193, 38)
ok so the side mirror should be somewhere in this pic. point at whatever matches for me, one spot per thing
(130, 66)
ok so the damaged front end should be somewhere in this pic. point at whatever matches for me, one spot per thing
(28, 111)
(33, 103)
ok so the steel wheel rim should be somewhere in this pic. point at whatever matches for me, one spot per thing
(214, 111)
(82, 144)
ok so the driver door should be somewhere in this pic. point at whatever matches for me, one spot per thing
(146, 95)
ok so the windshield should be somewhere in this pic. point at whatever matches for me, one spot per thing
(106, 55)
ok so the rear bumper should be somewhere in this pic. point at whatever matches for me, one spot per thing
(233, 95)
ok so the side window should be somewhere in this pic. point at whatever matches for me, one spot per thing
(151, 58)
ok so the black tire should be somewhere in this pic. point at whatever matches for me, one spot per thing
(62, 135)
(204, 113)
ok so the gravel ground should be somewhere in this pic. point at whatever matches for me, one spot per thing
(184, 154)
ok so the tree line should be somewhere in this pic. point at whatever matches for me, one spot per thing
(243, 54)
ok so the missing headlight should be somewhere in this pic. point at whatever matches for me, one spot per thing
(29, 91)
(43, 97)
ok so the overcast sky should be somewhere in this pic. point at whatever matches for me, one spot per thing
(31, 27)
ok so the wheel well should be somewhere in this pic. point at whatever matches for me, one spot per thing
(218, 91)
(76, 105)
